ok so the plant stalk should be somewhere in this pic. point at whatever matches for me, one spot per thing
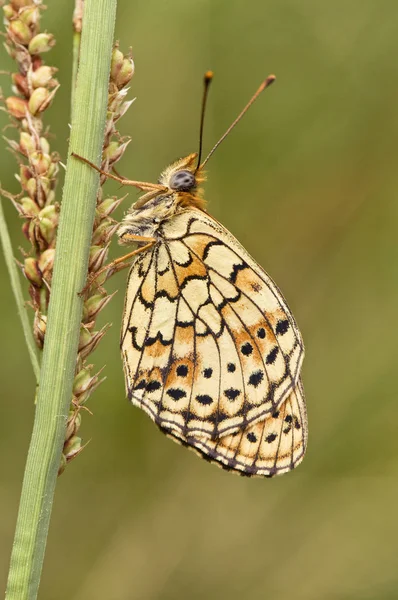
(77, 34)
(18, 294)
(65, 309)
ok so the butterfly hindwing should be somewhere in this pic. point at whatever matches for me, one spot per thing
(209, 345)
(271, 446)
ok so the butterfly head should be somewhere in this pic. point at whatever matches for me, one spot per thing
(182, 175)
(178, 190)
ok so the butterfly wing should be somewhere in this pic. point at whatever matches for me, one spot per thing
(209, 345)
(271, 446)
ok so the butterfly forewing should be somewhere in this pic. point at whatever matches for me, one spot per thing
(210, 347)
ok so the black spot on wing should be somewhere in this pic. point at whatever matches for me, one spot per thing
(182, 370)
(204, 399)
(271, 357)
(140, 385)
(246, 349)
(256, 378)
(256, 287)
(282, 326)
(152, 386)
(232, 394)
(235, 270)
(176, 393)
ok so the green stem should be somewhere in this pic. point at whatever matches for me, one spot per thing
(77, 19)
(65, 309)
(75, 65)
(19, 299)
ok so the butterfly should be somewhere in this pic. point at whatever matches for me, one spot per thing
(211, 351)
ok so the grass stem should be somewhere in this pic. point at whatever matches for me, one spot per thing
(65, 309)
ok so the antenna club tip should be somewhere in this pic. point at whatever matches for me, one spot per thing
(270, 79)
(209, 75)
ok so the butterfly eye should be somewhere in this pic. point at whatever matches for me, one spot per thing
(183, 181)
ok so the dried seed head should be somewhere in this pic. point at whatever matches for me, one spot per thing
(46, 193)
(72, 448)
(31, 187)
(30, 15)
(116, 62)
(97, 258)
(83, 381)
(17, 4)
(42, 76)
(21, 84)
(107, 206)
(40, 162)
(46, 263)
(47, 230)
(19, 32)
(32, 272)
(115, 151)
(94, 305)
(39, 328)
(39, 100)
(89, 341)
(50, 212)
(16, 106)
(29, 207)
(73, 424)
(27, 143)
(103, 232)
(42, 42)
(9, 12)
(45, 148)
(126, 72)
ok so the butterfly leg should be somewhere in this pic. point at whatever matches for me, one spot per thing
(120, 263)
(142, 185)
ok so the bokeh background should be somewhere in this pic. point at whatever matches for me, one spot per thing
(308, 182)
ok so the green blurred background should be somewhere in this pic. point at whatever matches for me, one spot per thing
(308, 183)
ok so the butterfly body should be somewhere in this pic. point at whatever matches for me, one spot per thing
(211, 351)
(145, 218)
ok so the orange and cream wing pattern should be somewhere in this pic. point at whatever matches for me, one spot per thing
(210, 349)
(272, 446)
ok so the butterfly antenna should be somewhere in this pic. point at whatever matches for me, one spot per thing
(270, 79)
(206, 84)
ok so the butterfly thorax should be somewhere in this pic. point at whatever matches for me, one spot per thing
(180, 181)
